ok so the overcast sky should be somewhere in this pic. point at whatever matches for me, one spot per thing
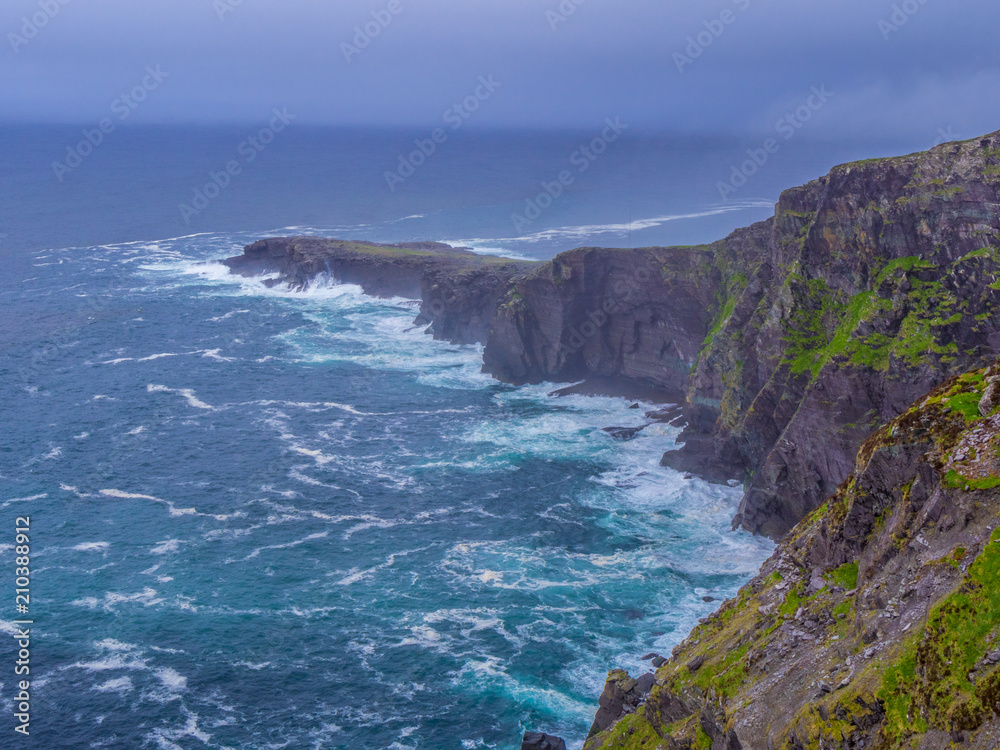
(233, 61)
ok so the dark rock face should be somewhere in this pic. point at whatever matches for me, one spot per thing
(539, 741)
(624, 433)
(637, 315)
(873, 625)
(789, 341)
(620, 698)
(792, 339)
(459, 290)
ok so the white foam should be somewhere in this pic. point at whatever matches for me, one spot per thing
(92, 547)
(171, 679)
(577, 233)
(187, 393)
(252, 666)
(129, 495)
(9, 628)
(306, 540)
(117, 685)
(28, 499)
(150, 358)
(171, 508)
(147, 597)
(163, 548)
(164, 738)
(228, 315)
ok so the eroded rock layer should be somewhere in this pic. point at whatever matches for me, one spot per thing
(876, 623)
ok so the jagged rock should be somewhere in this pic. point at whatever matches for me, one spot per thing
(624, 433)
(695, 664)
(539, 741)
(989, 402)
(926, 553)
(792, 339)
(459, 290)
(645, 682)
(620, 698)
(816, 581)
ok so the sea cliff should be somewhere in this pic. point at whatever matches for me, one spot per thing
(788, 342)
(839, 359)
(875, 624)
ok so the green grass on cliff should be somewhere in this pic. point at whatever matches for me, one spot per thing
(846, 576)
(362, 248)
(929, 684)
(824, 325)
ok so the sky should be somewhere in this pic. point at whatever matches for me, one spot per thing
(693, 66)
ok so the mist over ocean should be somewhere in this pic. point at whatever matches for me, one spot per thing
(267, 519)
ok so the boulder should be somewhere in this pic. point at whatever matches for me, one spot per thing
(539, 741)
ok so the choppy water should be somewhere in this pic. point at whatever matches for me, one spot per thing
(264, 519)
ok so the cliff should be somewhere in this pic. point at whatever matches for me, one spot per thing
(788, 342)
(875, 624)
(792, 339)
(459, 290)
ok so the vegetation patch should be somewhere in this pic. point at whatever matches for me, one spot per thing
(929, 685)
(846, 576)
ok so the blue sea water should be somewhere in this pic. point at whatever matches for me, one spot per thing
(273, 519)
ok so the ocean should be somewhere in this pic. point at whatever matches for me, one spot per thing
(262, 518)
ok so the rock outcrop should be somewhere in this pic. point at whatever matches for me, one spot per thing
(875, 624)
(459, 290)
(792, 339)
(539, 741)
(789, 342)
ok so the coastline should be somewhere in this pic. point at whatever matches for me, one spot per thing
(762, 333)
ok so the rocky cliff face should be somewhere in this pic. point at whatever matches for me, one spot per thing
(792, 339)
(789, 342)
(459, 290)
(876, 623)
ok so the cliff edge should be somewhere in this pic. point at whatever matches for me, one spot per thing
(875, 624)
(459, 290)
(793, 339)
(788, 342)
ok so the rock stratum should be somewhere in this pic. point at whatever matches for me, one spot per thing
(788, 342)
(875, 624)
